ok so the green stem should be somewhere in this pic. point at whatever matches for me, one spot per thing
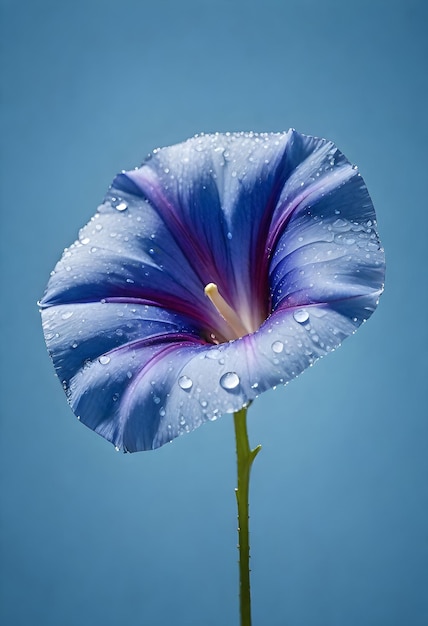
(245, 458)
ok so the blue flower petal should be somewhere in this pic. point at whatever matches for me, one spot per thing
(282, 223)
(217, 193)
(329, 249)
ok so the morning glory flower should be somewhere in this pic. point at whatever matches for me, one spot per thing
(220, 268)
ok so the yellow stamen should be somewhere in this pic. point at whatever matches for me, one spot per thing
(226, 311)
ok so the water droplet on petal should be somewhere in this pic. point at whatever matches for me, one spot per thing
(122, 206)
(301, 316)
(229, 381)
(185, 382)
(85, 240)
(214, 354)
(277, 346)
(66, 315)
(104, 359)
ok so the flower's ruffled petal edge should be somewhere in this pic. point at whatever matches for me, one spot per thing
(142, 395)
(127, 387)
(126, 254)
(328, 249)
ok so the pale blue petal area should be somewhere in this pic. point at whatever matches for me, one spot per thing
(126, 253)
(141, 395)
(329, 249)
(293, 339)
(122, 395)
(120, 252)
(77, 334)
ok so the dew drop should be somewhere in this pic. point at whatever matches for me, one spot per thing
(229, 381)
(213, 354)
(67, 315)
(277, 347)
(372, 246)
(122, 206)
(85, 240)
(104, 359)
(341, 224)
(301, 316)
(185, 382)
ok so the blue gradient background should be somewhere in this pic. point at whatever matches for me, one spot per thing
(339, 499)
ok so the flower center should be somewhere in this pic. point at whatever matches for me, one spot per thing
(225, 311)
